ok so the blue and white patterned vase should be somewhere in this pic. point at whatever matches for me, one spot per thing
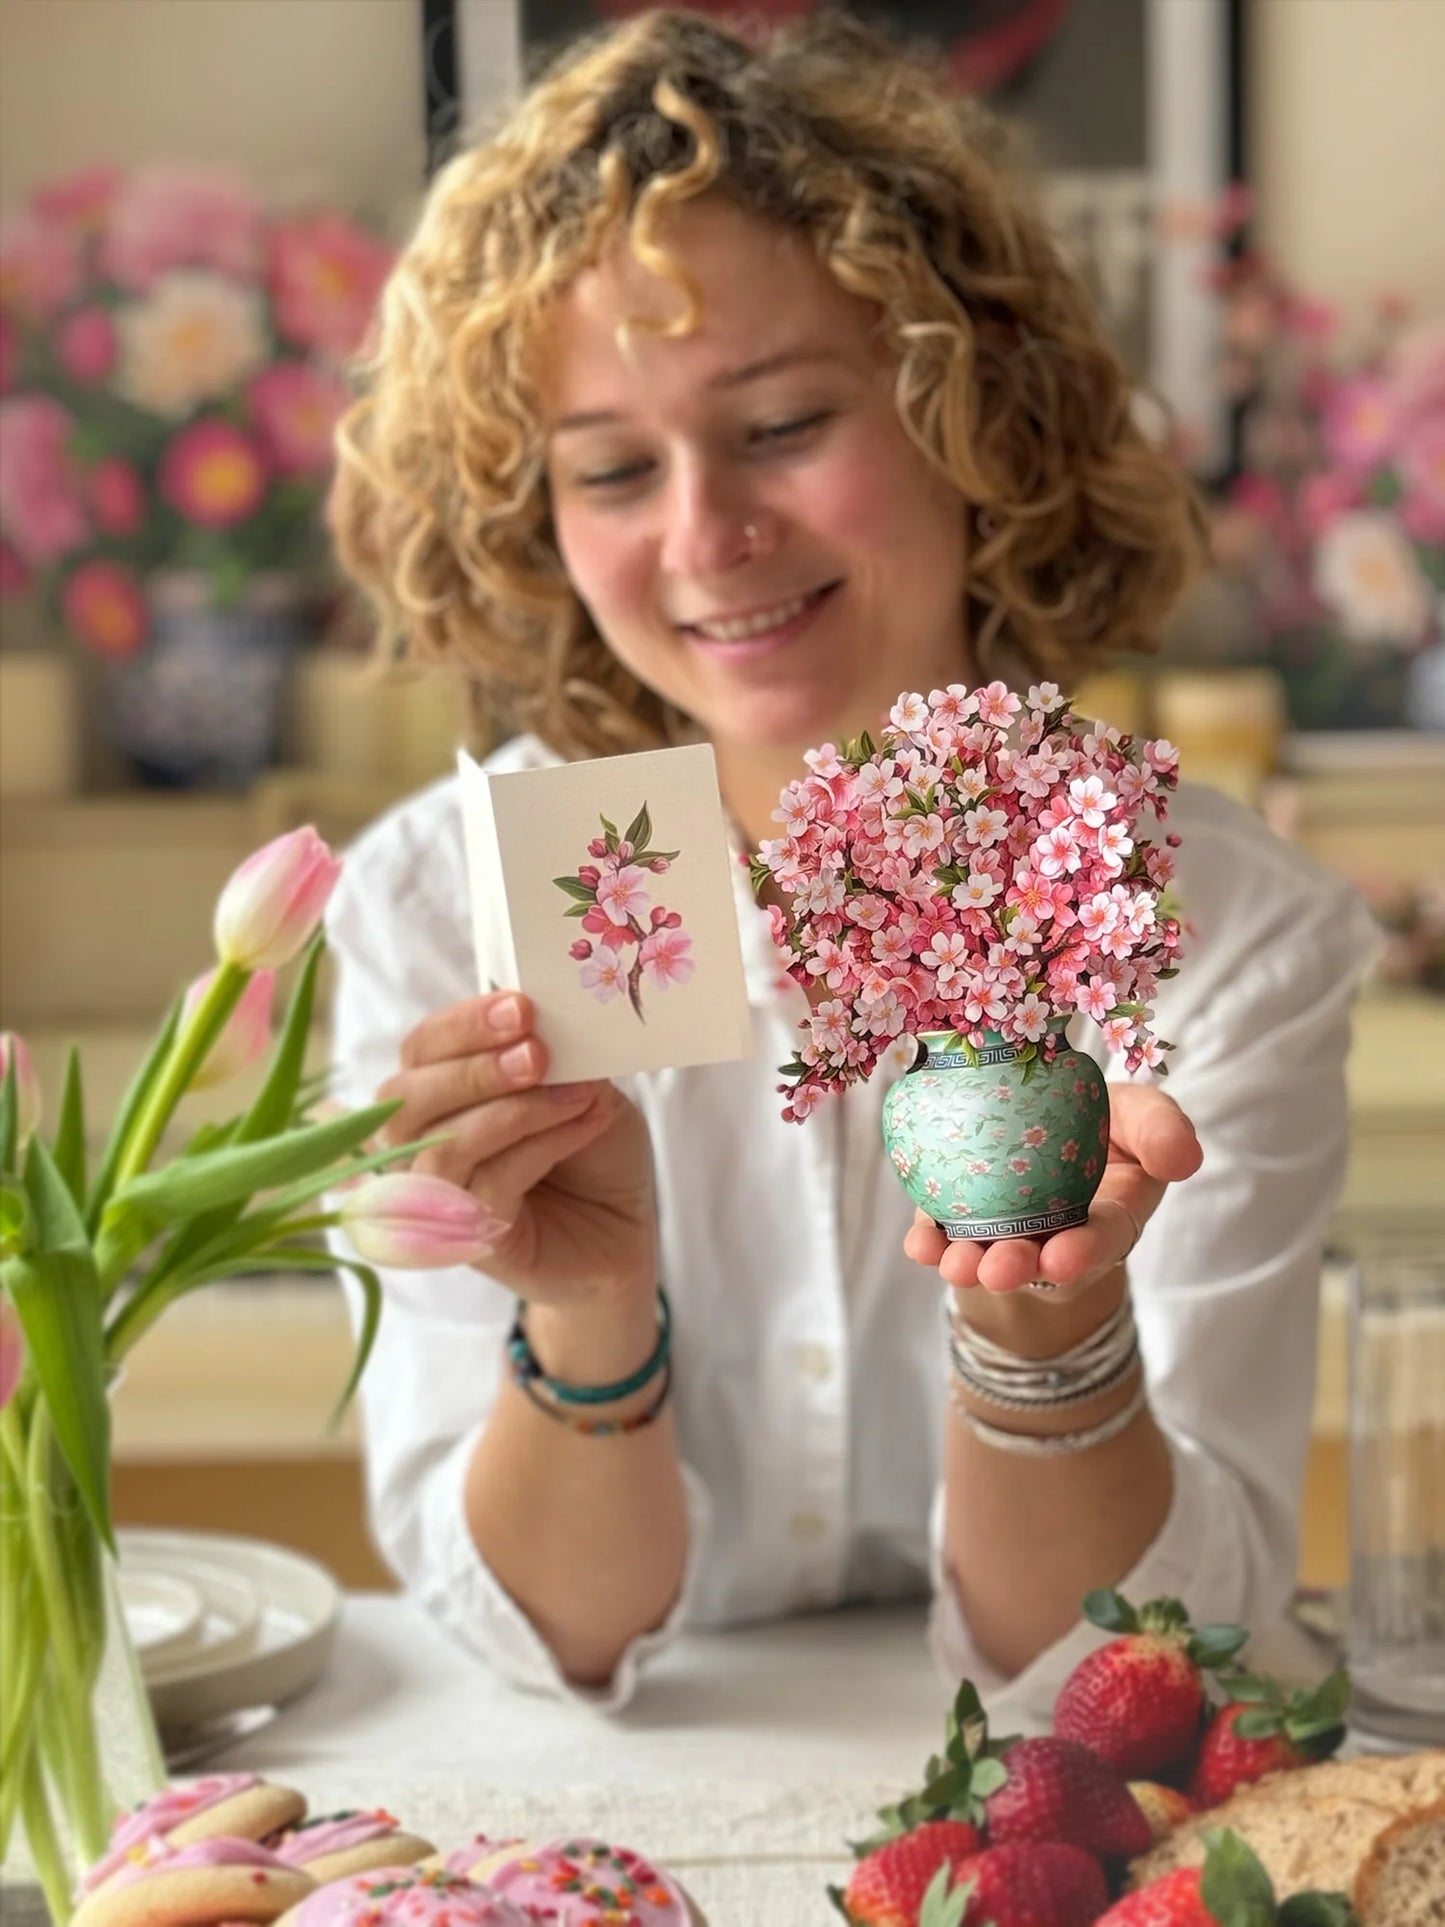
(998, 1148)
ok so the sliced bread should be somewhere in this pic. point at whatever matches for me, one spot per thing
(1402, 1882)
(1314, 1826)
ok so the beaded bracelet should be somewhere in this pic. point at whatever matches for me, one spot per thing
(1033, 1445)
(525, 1368)
(1097, 1364)
(599, 1428)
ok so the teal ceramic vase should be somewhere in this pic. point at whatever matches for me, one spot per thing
(992, 1146)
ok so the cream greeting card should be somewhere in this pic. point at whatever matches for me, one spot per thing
(603, 889)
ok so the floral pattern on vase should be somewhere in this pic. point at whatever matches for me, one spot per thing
(1002, 1148)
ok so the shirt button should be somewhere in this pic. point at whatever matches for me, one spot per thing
(808, 1525)
(815, 1361)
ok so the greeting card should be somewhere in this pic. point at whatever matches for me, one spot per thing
(604, 890)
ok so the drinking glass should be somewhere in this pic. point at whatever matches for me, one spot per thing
(1396, 1612)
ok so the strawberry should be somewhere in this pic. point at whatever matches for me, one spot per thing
(1037, 1886)
(1261, 1731)
(1139, 1700)
(1164, 1807)
(887, 1886)
(1039, 1789)
(1059, 1790)
(1232, 1889)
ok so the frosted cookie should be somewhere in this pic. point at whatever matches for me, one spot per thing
(202, 1885)
(464, 1860)
(234, 1806)
(408, 1897)
(334, 1845)
(586, 1883)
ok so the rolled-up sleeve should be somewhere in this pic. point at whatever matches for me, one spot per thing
(1226, 1287)
(399, 948)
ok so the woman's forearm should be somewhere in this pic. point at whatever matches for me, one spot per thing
(587, 1535)
(1026, 1538)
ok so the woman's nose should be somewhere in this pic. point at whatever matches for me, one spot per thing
(711, 528)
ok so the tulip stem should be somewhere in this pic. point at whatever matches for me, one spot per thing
(187, 1054)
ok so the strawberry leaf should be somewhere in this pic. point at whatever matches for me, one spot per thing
(1111, 1611)
(1245, 1687)
(1234, 1887)
(1164, 1616)
(987, 1777)
(1211, 1647)
(835, 1894)
(942, 1906)
(1260, 1723)
(1318, 1910)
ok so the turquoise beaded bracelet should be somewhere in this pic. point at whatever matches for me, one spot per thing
(526, 1370)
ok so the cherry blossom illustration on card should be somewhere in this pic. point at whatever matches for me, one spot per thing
(629, 941)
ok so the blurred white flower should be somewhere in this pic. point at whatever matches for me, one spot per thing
(1366, 573)
(197, 337)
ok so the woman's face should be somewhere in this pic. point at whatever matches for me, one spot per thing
(740, 508)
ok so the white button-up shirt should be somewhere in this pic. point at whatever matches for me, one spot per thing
(809, 1376)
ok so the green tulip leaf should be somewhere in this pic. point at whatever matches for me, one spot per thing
(10, 1118)
(131, 1106)
(56, 1295)
(70, 1132)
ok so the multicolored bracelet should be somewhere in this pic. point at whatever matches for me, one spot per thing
(599, 1428)
(527, 1372)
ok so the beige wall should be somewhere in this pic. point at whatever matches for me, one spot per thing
(322, 97)
(1348, 135)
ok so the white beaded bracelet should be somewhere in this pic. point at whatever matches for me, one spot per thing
(1032, 1446)
(1000, 1377)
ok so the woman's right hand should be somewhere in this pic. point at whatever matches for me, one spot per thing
(564, 1170)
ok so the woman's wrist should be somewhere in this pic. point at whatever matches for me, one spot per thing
(1036, 1324)
(595, 1341)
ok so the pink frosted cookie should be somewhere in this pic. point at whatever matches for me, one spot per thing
(233, 1806)
(586, 1883)
(408, 1897)
(465, 1860)
(202, 1885)
(334, 1845)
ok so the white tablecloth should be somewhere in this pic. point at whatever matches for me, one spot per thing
(745, 1763)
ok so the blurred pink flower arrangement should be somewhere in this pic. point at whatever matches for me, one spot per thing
(171, 367)
(1336, 524)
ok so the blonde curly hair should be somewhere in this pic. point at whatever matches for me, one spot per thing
(1084, 532)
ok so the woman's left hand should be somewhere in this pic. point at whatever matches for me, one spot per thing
(1151, 1146)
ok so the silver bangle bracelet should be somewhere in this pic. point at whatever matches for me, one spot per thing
(1097, 1363)
(1063, 1444)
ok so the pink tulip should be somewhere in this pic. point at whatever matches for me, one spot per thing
(27, 1085)
(418, 1223)
(272, 904)
(247, 1034)
(12, 1351)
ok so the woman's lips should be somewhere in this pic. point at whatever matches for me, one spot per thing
(766, 642)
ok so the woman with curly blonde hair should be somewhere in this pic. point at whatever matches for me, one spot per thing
(730, 388)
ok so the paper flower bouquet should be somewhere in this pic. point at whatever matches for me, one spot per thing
(976, 880)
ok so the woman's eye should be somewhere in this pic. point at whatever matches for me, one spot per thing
(798, 425)
(618, 477)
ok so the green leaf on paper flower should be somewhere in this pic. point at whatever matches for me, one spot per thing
(575, 887)
(577, 910)
(610, 836)
(758, 873)
(56, 1295)
(639, 830)
(130, 1109)
(70, 1131)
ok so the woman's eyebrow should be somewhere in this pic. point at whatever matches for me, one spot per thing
(729, 378)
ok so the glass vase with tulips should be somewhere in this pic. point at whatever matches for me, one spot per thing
(92, 1256)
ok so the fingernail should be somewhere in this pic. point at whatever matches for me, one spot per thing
(516, 1063)
(505, 1015)
(568, 1093)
